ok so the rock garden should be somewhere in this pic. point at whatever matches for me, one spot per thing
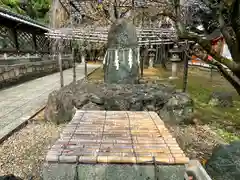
(197, 126)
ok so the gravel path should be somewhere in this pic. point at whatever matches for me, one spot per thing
(197, 141)
(23, 153)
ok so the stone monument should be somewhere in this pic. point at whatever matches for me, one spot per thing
(175, 59)
(151, 54)
(121, 62)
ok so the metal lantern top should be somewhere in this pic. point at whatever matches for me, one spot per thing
(175, 58)
(151, 52)
(175, 49)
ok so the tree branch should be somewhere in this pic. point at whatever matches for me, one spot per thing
(167, 10)
(232, 79)
(203, 42)
(206, 45)
(229, 38)
(125, 12)
(234, 82)
(64, 8)
(235, 18)
(111, 12)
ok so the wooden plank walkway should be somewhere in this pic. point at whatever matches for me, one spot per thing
(19, 103)
(116, 137)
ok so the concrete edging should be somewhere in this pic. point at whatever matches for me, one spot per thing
(19, 125)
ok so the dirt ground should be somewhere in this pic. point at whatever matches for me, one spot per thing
(23, 153)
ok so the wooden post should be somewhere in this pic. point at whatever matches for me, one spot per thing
(145, 55)
(74, 66)
(82, 58)
(211, 73)
(5, 55)
(142, 62)
(85, 64)
(28, 55)
(185, 72)
(15, 38)
(133, 9)
(34, 42)
(85, 70)
(60, 68)
(157, 54)
(142, 54)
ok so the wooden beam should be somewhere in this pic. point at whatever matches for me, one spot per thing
(60, 69)
(34, 41)
(74, 64)
(15, 38)
(185, 70)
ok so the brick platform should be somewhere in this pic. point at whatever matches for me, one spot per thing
(116, 137)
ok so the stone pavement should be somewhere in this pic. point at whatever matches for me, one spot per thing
(19, 103)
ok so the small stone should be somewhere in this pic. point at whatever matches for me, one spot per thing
(60, 107)
(150, 108)
(178, 109)
(96, 99)
(81, 100)
(142, 81)
(116, 104)
(91, 106)
(136, 107)
(68, 159)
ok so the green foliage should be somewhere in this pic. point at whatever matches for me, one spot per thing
(36, 9)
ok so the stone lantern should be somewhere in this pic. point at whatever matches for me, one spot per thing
(175, 59)
(151, 55)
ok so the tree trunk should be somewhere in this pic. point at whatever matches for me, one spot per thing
(122, 62)
(232, 76)
(233, 79)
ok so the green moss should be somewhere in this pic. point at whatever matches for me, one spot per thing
(227, 136)
(97, 75)
(200, 86)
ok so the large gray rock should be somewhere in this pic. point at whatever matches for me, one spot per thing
(224, 163)
(83, 98)
(9, 177)
(170, 105)
(221, 99)
(178, 109)
(91, 106)
(60, 108)
(121, 61)
(122, 34)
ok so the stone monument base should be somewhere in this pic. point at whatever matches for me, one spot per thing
(115, 145)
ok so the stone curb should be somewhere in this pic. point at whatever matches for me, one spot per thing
(7, 131)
